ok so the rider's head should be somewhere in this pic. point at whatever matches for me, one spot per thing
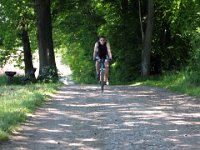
(102, 39)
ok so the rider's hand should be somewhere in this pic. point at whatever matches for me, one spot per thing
(96, 58)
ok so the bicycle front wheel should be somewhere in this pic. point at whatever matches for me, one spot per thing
(102, 80)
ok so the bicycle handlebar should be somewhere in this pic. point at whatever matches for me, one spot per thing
(100, 59)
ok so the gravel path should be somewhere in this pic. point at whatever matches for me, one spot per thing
(79, 117)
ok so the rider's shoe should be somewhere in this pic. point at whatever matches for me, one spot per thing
(106, 83)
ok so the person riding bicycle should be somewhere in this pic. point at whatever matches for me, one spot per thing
(102, 51)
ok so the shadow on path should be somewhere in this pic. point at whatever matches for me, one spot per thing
(122, 118)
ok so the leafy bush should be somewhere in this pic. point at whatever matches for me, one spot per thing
(194, 66)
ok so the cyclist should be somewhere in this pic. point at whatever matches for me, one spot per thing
(102, 51)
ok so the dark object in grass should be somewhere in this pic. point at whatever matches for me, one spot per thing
(29, 77)
(10, 75)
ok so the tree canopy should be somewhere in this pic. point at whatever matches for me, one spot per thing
(174, 40)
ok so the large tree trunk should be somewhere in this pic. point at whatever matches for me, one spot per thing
(147, 41)
(29, 70)
(141, 24)
(45, 41)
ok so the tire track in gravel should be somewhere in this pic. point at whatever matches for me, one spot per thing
(79, 117)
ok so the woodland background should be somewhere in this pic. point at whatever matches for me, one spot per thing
(147, 37)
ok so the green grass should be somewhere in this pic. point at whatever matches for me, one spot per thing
(16, 101)
(177, 82)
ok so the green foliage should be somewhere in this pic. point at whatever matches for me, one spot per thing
(176, 40)
(75, 37)
(192, 30)
(194, 66)
(172, 40)
(171, 46)
(13, 14)
(19, 100)
(77, 25)
(176, 81)
(122, 31)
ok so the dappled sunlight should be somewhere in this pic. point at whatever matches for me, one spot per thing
(136, 117)
(48, 130)
(62, 97)
(64, 125)
(88, 140)
(79, 117)
(92, 105)
(48, 142)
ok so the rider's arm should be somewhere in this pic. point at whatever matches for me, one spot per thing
(109, 51)
(95, 50)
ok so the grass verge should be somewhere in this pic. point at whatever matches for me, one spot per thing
(16, 101)
(177, 82)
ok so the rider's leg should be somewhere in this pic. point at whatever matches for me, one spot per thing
(106, 70)
(97, 68)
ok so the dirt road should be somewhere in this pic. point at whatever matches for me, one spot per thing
(79, 117)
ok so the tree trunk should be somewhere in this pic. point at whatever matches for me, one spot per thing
(45, 41)
(141, 24)
(147, 41)
(29, 70)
